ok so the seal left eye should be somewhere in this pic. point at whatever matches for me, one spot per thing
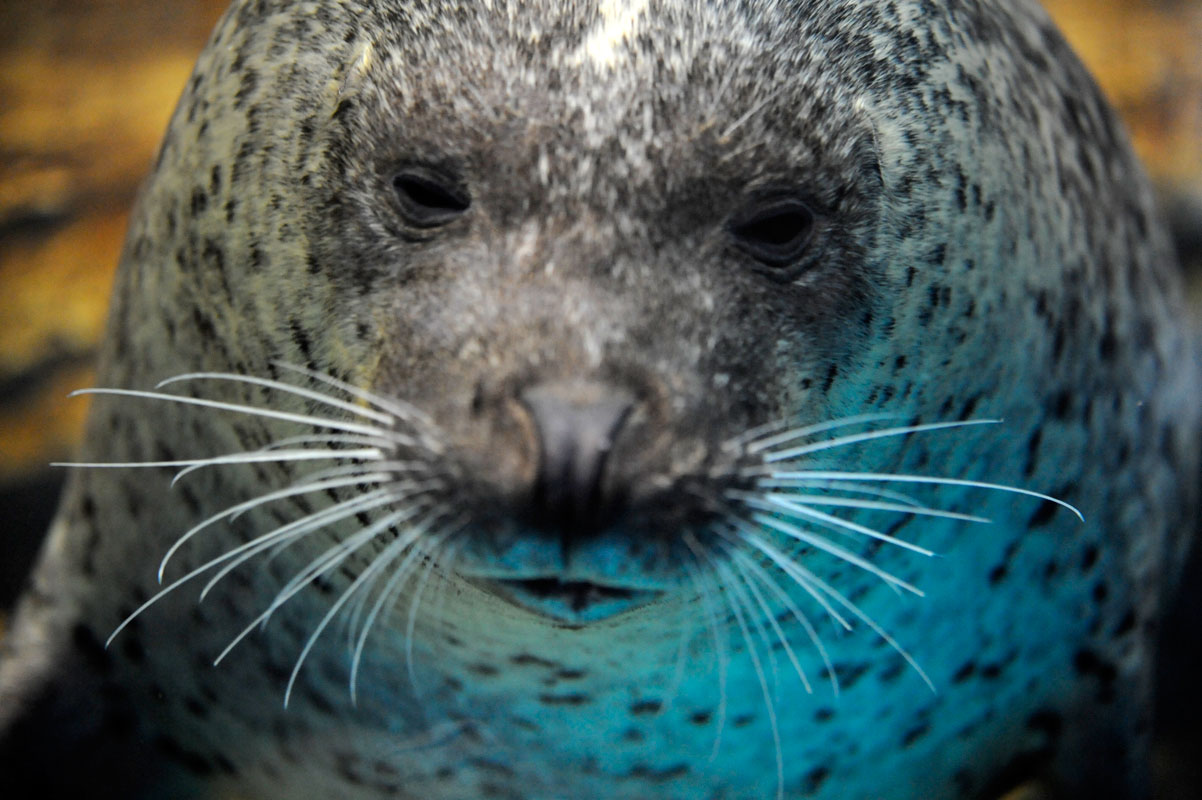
(428, 200)
(775, 231)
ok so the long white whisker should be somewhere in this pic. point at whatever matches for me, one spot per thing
(870, 505)
(790, 478)
(741, 561)
(259, 411)
(752, 590)
(696, 575)
(395, 467)
(364, 473)
(835, 595)
(843, 441)
(401, 491)
(851, 487)
(794, 610)
(280, 456)
(816, 587)
(793, 434)
(399, 408)
(394, 549)
(384, 598)
(415, 603)
(801, 535)
(677, 679)
(253, 543)
(339, 551)
(385, 419)
(790, 568)
(778, 503)
(235, 510)
(292, 531)
(319, 566)
(732, 580)
(253, 457)
(331, 438)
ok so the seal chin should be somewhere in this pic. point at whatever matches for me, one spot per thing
(576, 602)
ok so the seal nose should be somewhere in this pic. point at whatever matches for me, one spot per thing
(577, 424)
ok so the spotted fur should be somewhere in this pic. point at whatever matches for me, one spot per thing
(985, 247)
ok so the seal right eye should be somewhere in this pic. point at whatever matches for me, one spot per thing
(428, 200)
(775, 231)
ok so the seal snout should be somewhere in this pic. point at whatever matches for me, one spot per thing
(577, 424)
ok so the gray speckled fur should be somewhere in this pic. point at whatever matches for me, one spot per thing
(988, 248)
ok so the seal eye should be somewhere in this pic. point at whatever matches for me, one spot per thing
(428, 200)
(775, 232)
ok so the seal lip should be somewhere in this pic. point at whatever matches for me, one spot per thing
(568, 600)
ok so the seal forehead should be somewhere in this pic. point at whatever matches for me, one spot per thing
(624, 92)
(618, 24)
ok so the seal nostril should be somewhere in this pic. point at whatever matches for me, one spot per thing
(477, 406)
(577, 424)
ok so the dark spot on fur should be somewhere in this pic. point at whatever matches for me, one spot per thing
(91, 648)
(914, 734)
(575, 699)
(1033, 453)
(191, 761)
(1046, 721)
(1061, 404)
(528, 660)
(998, 574)
(660, 775)
(849, 676)
(132, 649)
(301, 339)
(204, 324)
(831, 374)
(1043, 514)
(200, 202)
(1087, 663)
(196, 708)
(1126, 624)
(813, 780)
(646, 707)
(493, 766)
(1108, 346)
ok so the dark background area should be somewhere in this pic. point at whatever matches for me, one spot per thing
(87, 86)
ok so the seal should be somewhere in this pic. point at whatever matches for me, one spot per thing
(621, 399)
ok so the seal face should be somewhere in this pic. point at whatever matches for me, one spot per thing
(569, 400)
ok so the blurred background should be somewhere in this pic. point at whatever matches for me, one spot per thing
(87, 87)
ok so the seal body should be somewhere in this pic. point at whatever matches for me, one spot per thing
(604, 399)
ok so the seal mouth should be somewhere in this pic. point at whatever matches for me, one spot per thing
(572, 600)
